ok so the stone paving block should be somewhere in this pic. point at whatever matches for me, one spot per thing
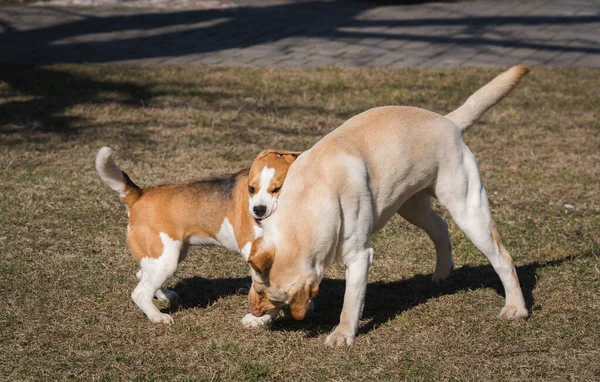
(416, 44)
(544, 56)
(407, 61)
(491, 60)
(588, 60)
(565, 59)
(443, 61)
(320, 61)
(520, 9)
(392, 43)
(385, 60)
(523, 53)
(479, 32)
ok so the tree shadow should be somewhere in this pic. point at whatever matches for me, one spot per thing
(50, 92)
(143, 34)
(92, 39)
(40, 100)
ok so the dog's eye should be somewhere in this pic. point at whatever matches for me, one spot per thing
(251, 189)
(276, 190)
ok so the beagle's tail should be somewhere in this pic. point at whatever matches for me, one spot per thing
(116, 179)
(486, 97)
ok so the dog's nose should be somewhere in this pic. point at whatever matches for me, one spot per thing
(260, 210)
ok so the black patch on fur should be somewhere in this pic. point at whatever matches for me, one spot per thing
(223, 185)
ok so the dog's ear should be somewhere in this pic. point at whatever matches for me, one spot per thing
(300, 301)
(261, 256)
(289, 156)
(259, 303)
(314, 290)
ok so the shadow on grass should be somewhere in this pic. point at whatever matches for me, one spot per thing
(384, 300)
(199, 292)
(49, 93)
(39, 99)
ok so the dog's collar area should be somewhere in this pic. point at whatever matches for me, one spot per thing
(259, 220)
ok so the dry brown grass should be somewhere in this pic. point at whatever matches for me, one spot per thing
(66, 275)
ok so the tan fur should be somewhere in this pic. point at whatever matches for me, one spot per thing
(260, 258)
(486, 97)
(505, 254)
(349, 184)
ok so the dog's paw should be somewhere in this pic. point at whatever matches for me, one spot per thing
(167, 295)
(337, 338)
(251, 321)
(511, 312)
(161, 318)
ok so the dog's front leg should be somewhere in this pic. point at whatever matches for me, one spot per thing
(357, 271)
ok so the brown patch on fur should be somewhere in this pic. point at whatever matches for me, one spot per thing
(507, 257)
(280, 160)
(259, 303)
(300, 301)
(299, 304)
(261, 257)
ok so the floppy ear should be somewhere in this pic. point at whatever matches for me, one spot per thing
(261, 257)
(299, 303)
(259, 304)
(289, 156)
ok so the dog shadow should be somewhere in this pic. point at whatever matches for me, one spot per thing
(384, 300)
(200, 292)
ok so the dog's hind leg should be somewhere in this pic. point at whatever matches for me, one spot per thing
(154, 272)
(162, 294)
(461, 191)
(417, 210)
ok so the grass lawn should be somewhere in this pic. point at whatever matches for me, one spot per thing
(66, 274)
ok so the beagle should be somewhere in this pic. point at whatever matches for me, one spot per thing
(165, 220)
(385, 161)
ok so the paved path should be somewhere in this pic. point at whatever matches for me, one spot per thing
(310, 33)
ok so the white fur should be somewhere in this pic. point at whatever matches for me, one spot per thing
(246, 250)
(154, 272)
(251, 321)
(262, 196)
(226, 236)
(109, 171)
(258, 231)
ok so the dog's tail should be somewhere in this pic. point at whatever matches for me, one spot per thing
(116, 179)
(486, 97)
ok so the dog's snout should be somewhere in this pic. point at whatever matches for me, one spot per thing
(260, 210)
